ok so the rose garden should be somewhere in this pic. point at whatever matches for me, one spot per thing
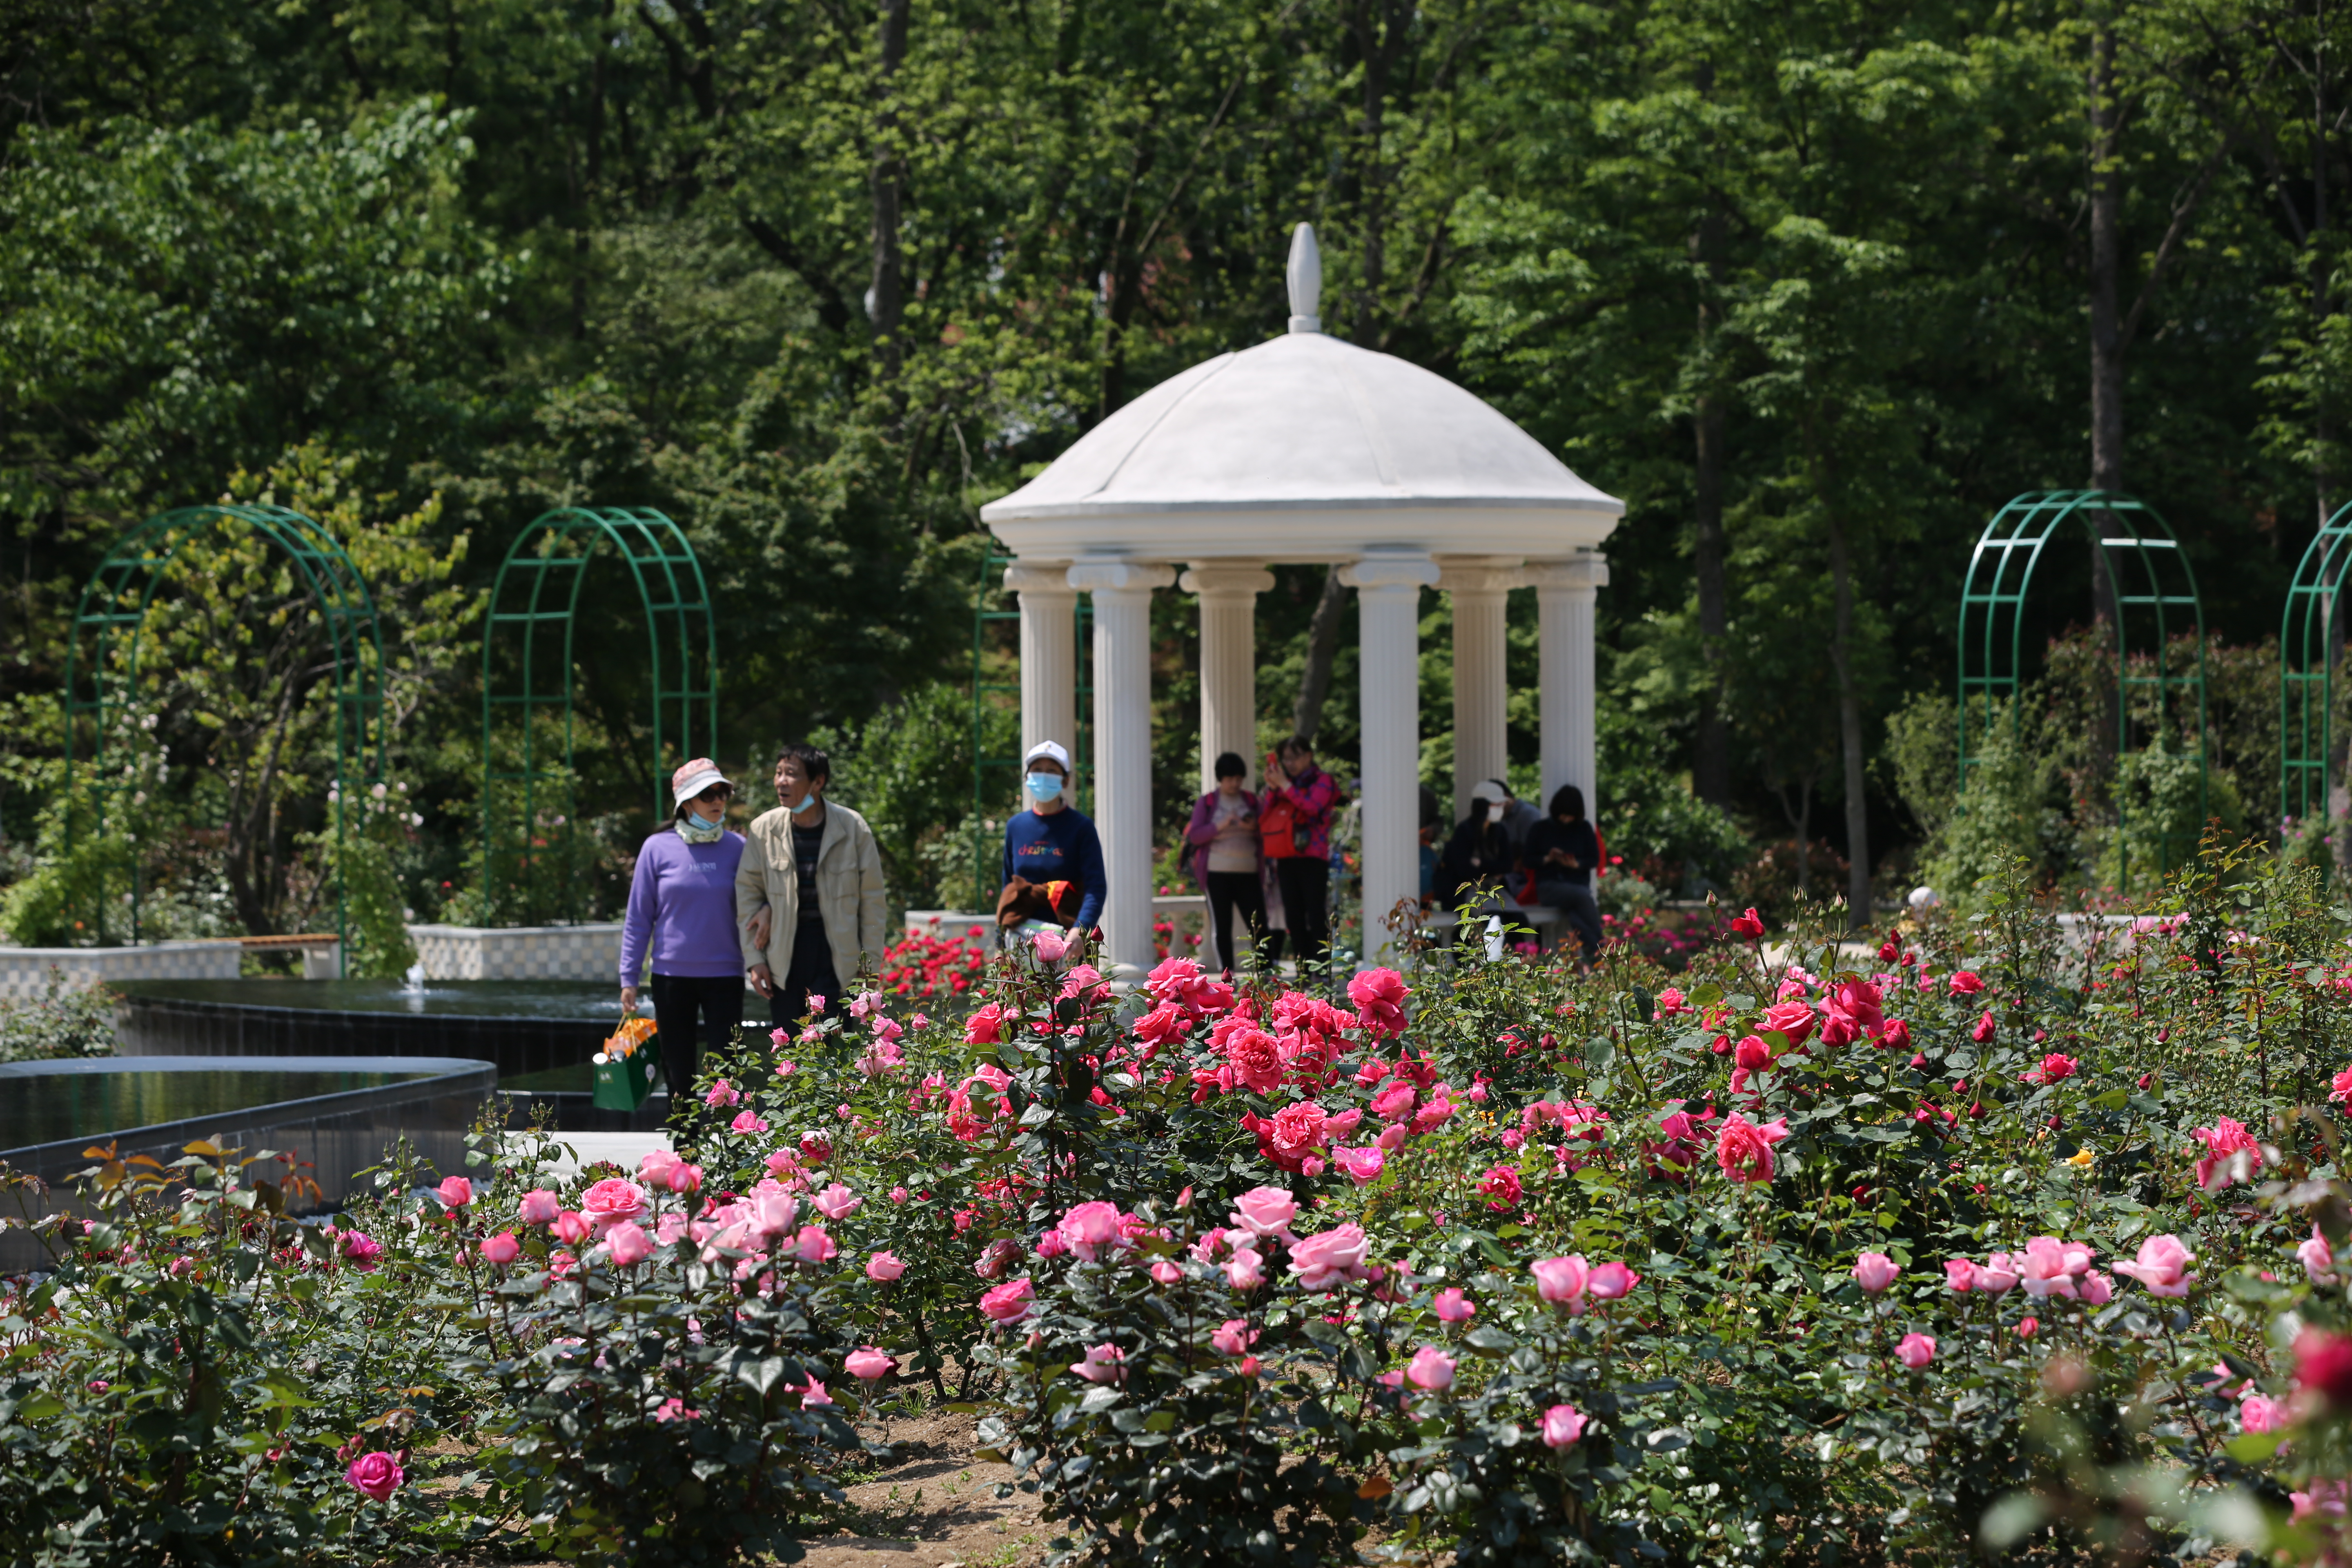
(1978, 1238)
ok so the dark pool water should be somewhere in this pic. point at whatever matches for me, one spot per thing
(52, 1106)
(558, 999)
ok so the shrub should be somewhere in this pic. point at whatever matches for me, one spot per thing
(63, 1021)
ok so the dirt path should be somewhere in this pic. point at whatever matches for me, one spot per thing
(935, 1506)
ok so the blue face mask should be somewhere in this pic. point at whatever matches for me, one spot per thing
(1044, 787)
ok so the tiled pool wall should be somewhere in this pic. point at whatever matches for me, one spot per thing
(337, 1137)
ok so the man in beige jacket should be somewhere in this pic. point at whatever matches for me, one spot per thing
(808, 892)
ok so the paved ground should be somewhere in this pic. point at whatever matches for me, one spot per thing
(623, 1149)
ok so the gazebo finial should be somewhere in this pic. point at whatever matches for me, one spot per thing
(1306, 275)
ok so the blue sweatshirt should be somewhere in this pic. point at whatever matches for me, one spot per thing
(682, 902)
(1063, 847)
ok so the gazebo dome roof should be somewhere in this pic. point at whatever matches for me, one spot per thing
(1304, 447)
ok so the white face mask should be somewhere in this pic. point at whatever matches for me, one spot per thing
(1044, 787)
(1495, 811)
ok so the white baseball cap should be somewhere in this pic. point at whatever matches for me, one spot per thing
(1490, 790)
(692, 778)
(1051, 750)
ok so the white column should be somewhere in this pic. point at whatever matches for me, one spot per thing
(1122, 603)
(1228, 592)
(1480, 591)
(1049, 654)
(1564, 599)
(1388, 612)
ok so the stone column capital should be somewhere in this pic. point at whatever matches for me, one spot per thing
(1585, 572)
(1118, 576)
(1389, 571)
(1479, 574)
(1036, 577)
(1226, 579)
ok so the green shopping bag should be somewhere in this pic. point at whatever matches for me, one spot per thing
(623, 1083)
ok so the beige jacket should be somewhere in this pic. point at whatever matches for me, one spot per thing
(849, 891)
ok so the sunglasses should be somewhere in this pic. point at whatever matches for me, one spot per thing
(716, 792)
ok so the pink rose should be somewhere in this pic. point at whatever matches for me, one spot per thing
(866, 1363)
(2259, 1414)
(539, 1207)
(363, 1249)
(1322, 1261)
(1453, 1307)
(2231, 1154)
(377, 1474)
(1744, 1148)
(748, 1121)
(455, 1191)
(1562, 1426)
(572, 1227)
(814, 1246)
(2318, 1258)
(501, 1249)
(1964, 983)
(1430, 1368)
(2048, 1267)
(1793, 1019)
(883, 1267)
(1167, 1273)
(1362, 1165)
(1998, 1275)
(628, 1245)
(1915, 1351)
(1104, 1363)
(2094, 1289)
(1561, 1279)
(1090, 1229)
(1380, 996)
(1960, 1274)
(674, 1409)
(836, 1202)
(612, 1201)
(1233, 1337)
(1009, 1303)
(721, 1095)
(1874, 1271)
(1245, 1271)
(814, 1394)
(1050, 945)
(2162, 1267)
(1264, 1211)
(1395, 1102)
(1611, 1281)
(997, 1258)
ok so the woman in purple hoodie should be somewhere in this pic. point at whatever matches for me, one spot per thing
(682, 911)
(1227, 861)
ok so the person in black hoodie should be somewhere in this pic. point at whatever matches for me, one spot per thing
(1562, 850)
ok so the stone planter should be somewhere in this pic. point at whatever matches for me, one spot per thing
(519, 953)
(25, 970)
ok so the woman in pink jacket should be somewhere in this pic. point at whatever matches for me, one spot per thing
(1227, 861)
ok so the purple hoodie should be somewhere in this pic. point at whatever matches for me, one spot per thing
(683, 897)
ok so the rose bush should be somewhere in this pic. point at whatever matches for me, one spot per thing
(1984, 1236)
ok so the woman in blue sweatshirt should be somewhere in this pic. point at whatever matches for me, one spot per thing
(682, 913)
(1051, 842)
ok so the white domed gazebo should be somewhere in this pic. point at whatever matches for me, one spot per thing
(1308, 449)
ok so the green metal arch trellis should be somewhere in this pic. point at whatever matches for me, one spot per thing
(2309, 630)
(2157, 596)
(533, 605)
(101, 679)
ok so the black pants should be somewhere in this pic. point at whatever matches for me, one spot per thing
(809, 974)
(1306, 907)
(679, 1000)
(1229, 890)
(1575, 902)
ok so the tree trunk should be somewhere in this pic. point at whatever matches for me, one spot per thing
(1711, 758)
(1857, 801)
(885, 299)
(2107, 321)
(1322, 647)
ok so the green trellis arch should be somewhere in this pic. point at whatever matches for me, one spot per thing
(2307, 670)
(528, 675)
(2156, 592)
(102, 651)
